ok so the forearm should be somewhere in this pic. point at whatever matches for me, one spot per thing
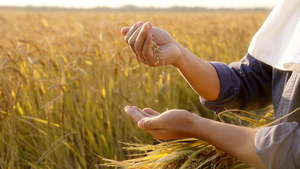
(201, 76)
(237, 141)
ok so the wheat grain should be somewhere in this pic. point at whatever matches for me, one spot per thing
(156, 53)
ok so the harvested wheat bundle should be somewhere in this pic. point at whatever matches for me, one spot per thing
(184, 153)
(156, 53)
(190, 153)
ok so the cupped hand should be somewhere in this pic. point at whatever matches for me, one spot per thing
(172, 124)
(139, 37)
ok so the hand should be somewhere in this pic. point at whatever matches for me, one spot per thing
(139, 37)
(172, 124)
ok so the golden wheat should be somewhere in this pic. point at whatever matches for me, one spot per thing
(65, 78)
(191, 153)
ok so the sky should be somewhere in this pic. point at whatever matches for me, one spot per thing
(142, 3)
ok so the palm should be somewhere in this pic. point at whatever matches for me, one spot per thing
(167, 43)
(171, 124)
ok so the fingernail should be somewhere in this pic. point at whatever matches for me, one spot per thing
(144, 27)
(139, 22)
(148, 24)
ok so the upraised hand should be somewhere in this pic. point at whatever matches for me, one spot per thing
(139, 37)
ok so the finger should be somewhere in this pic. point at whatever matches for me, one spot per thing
(145, 123)
(139, 44)
(132, 30)
(151, 111)
(147, 52)
(125, 30)
(132, 40)
(142, 112)
(150, 123)
(134, 114)
(138, 111)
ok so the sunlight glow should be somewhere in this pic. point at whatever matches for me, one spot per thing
(153, 3)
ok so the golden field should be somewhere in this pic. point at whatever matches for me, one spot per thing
(65, 78)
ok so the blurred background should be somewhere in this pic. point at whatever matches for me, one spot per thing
(66, 73)
(154, 3)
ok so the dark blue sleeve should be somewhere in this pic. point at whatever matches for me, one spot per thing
(244, 85)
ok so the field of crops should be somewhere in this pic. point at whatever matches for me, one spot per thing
(65, 78)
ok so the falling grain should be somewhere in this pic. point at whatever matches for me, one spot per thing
(157, 56)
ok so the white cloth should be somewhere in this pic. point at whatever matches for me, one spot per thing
(277, 42)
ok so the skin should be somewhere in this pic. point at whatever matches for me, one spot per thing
(139, 37)
(173, 124)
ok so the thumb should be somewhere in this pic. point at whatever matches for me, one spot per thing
(148, 123)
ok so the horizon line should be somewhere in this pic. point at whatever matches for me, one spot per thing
(135, 7)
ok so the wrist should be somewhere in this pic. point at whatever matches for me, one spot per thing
(201, 128)
(182, 52)
(194, 128)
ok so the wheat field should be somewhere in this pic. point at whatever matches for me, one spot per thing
(65, 78)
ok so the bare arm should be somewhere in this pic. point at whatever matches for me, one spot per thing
(203, 78)
(201, 75)
(235, 140)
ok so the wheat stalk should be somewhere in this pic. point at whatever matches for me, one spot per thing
(189, 153)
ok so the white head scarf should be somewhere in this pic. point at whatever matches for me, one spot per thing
(277, 43)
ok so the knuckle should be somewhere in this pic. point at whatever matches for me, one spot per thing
(136, 47)
(126, 39)
(131, 42)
